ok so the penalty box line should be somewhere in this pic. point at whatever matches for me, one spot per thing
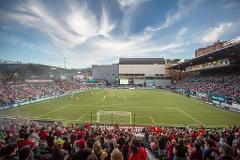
(152, 120)
(196, 120)
(52, 111)
(82, 116)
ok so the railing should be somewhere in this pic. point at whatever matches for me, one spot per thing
(231, 42)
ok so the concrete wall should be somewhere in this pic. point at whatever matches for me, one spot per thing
(139, 81)
(163, 82)
(148, 70)
(105, 72)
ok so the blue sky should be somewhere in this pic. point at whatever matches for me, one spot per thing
(100, 31)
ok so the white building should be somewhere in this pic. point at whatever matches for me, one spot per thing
(143, 71)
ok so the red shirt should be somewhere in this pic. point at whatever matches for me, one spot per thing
(43, 134)
(170, 151)
(140, 155)
(172, 137)
(58, 133)
(26, 143)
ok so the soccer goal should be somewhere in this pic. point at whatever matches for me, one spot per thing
(120, 117)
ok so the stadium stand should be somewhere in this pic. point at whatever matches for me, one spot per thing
(48, 140)
(22, 138)
(213, 83)
(18, 92)
(215, 76)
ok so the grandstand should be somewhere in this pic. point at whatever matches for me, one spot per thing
(54, 114)
(119, 80)
(31, 71)
(215, 76)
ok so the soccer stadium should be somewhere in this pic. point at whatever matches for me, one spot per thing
(119, 80)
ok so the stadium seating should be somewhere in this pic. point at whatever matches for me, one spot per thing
(55, 141)
(19, 91)
(212, 83)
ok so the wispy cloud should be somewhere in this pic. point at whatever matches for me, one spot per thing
(79, 25)
(184, 9)
(129, 10)
(130, 3)
(106, 26)
(90, 34)
(180, 34)
(230, 4)
(213, 34)
(86, 36)
(81, 29)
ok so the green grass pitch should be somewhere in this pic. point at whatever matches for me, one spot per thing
(150, 107)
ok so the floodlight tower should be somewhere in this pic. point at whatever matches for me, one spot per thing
(65, 62)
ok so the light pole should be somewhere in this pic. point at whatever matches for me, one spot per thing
(65, 62)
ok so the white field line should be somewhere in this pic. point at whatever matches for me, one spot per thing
(152, 120)
(116, 105)
(51, 119)
(36, 118)
(55, 110)
(73, 105)
(6, 116)
(196, 120)
(81, 116)
(26, 105)
(174, 124)
(219, 125)
(110, 106)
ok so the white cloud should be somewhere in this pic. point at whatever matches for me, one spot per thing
(106, 26)
(129, 10)
(86, 38)
(79, 20)
(181, 33)
(133, 47)
(130, 3)
(213, 34)
(80, 24)
(104, 52)
(172, 18)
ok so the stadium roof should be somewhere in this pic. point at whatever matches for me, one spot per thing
(231, 52)
(141, 61)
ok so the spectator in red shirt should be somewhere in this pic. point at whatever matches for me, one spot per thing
(138, 152)
(196, 153)
(26, 142)
(170, 147)
(43, 134)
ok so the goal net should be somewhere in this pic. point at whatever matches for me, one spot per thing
(120, 117)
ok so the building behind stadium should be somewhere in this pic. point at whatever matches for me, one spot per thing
(105, 73)
(133, 71)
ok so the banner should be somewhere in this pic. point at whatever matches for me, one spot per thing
(218, 98)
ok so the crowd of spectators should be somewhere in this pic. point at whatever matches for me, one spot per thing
(18, 91)
(28, 140)
(227, 85)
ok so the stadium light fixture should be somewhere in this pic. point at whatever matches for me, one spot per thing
(65, 62)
